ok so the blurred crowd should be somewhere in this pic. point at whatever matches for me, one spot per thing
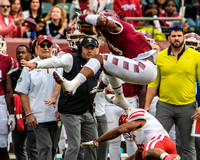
(31, 18)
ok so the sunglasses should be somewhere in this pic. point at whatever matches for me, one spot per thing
(176, 25)
(3, 6)
(43, 45)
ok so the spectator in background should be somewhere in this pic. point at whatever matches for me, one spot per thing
(10, 26)
(156, 47)
(160, 4)
(142, 6)
(56, 23)
(29, 27)
(40, 27)
(128, 8)
(34, 11)
(54, 2)
(80, 6)
(16, 7)
(192, 14)
(148, 26)
(169, 7)
(151, 10)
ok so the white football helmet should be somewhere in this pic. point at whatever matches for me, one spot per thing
(56, 49)
(3, 46)
(73, 38)
(148, 36)
(192, 40)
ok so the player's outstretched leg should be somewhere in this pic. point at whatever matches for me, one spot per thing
(67, 86)
(119, 98)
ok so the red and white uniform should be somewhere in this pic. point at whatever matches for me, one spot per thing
(7, 65)
(128, 8)
(130, 48)
(152, 134)
(128, 42)
(113, 113)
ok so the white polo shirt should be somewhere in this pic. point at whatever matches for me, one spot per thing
(38, 85)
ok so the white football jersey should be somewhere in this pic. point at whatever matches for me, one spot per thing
(151, 129)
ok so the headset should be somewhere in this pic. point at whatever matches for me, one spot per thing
(32, 45)
(79, 43)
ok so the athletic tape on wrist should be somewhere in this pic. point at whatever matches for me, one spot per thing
(162, 156)
(91, 19)
(94, 65)
(81, 78)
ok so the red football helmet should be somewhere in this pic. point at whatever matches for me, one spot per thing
(123, 118)
(148, 36)
(192, 40)
(3, 46)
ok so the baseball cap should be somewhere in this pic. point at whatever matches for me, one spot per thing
(44, 38)
(30, 22)
(89, 41)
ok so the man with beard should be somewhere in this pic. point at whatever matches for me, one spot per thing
(178, 68)
(10, 26)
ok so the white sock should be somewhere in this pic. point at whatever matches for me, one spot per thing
(163, 155)
(117, 88)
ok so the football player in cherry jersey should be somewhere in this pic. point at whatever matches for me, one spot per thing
(7, 65)
(151, 138)
(131, 59)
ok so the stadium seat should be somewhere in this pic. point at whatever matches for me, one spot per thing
(109, 6)
(66, 7)
(45, 8)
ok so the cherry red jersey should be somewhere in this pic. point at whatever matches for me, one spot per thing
(167, 23)
(83, 5)
(128, 42)
(7, 64)
(130, 90)
(128, 8)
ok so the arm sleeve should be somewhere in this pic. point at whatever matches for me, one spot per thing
(66, 62)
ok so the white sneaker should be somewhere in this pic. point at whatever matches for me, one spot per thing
(122, 104)
(67, 86)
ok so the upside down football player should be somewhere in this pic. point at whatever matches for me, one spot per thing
(132, 61)
(151, 138)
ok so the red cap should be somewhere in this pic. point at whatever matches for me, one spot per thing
(44, 38)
